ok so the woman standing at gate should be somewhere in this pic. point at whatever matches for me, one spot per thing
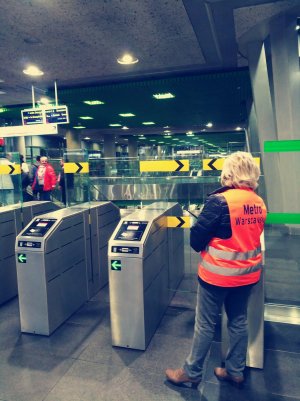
(227, 236)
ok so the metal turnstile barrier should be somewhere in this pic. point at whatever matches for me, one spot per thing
(140, 275)
(100, 223)
(256, 307)
(12, 219)
(62, 262)
(51, 270)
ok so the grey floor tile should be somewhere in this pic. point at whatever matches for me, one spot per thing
(28, 377)
(87, 381)
(281, 336)
(10, 307)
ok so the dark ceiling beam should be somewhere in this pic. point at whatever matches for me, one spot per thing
(200, 18)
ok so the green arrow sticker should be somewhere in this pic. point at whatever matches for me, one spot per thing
(22, 257)
(115, 265)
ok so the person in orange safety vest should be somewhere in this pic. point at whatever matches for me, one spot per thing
(227, 236)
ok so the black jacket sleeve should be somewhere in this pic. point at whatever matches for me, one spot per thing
(207, 224)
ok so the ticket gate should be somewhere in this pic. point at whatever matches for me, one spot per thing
(256, 307)
(12, 219)
(51, 270)
(140, 274)
(102, 220)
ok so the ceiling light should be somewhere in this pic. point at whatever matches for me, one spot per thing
(167, 131)
(127, 59)
(3, 109)
(87, 138)
(152, 140)
(209, 125)
(33, 71)
(93, 102)
(44, 100)
(161, 142)
(86, 118)
(148, 123)
(125, 127)
(2, 92)
(167, 136)
(115, 125)
(163, 95)
(127, 115)
(143, 137)
(79, 126)
(238, 128)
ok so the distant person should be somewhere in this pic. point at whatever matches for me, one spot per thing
(25, 180)
(65, 184)
(45, 179)
(32, 174)
(227, 236)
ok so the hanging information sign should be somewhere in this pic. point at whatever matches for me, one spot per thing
(32, 116)
(57, 115)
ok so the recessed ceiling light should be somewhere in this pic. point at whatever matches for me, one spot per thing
(2, 92)
(142, 137)
(87, 138)
(79, 126)
(33, 71)
(86, 118)
(167, 131)
(238, 128)
(3, 109)
(163, 95)
(93, 102)
(125, 127)
(167, 136)
(148, 123)
(44, 100)
(115, 125)
(127, 59)
(209, 125)
(127, 115)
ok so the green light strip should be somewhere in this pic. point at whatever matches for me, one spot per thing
(282, 146)
(283, 218)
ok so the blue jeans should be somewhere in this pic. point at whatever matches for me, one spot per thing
(210, 299)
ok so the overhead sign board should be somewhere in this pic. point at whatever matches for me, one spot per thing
(45, 115)
(32, 116)
(57, 115)
(28, 130)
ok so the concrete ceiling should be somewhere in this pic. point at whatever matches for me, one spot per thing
(77, 42)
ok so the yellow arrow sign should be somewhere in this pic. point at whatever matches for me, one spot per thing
(164, 165)
(178, 222)
(217, 164)
(11, 169)
(77, 168)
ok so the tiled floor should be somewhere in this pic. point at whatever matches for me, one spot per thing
(78, 363)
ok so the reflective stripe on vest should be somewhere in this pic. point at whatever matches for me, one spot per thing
(226, 255)
(230, 271)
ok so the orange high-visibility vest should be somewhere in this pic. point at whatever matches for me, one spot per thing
(236, 261)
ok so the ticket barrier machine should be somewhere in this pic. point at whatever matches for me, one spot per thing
(51, 270)
(12, 219)
(256, 306)
(100, 223)
(50, 257)
(139, 276)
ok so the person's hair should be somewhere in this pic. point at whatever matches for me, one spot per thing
(240, 170)
(44, 158)
(38, 158)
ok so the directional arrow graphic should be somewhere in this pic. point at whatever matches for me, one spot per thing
(80, 167)
(164, 165)
(211, 164)
(22, 258)
(178, 222)
(180, 165)
(115, 265)
(76, 168)
(11, 169)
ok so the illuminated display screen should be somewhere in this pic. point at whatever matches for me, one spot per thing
(57, 115)
(39, 227)
(131, 230)
(32, 116)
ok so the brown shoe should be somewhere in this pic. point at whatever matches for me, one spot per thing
(178, 376)
(222, 375)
